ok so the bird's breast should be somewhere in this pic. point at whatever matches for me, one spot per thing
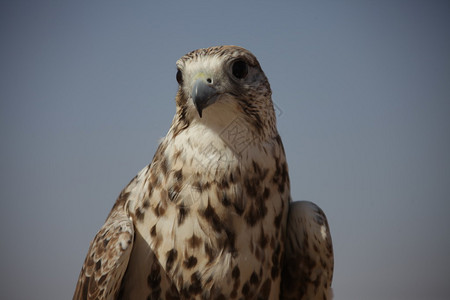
(214, 216)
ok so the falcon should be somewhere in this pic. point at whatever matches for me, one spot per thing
(211, 217)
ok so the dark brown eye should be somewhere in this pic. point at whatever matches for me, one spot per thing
(179, 77)
(239, 69)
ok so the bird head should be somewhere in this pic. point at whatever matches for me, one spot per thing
(219, 84)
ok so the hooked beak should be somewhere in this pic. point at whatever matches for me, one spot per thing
(203, 94)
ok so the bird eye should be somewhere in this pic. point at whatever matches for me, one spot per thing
(179, 77)
(239, 69)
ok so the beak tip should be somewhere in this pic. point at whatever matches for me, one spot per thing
(199, 109)
(203, 95)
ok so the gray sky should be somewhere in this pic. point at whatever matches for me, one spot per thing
(363, 91)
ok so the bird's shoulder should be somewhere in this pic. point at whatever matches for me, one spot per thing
(309, 261)
(108, 256)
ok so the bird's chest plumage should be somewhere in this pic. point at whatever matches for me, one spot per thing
(214, 220)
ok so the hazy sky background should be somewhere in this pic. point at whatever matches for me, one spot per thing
(363, 88)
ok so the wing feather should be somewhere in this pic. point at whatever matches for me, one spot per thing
(107, 258)
(309, 262)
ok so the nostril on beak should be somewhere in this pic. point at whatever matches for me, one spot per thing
(209, 80)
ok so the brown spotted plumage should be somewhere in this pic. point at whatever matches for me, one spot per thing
(208, 218)
(308, 263)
